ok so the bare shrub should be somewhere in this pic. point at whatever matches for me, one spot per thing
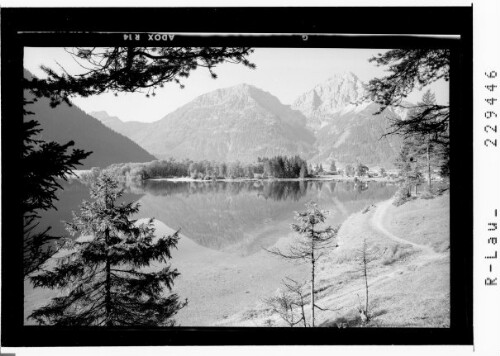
(289, 303)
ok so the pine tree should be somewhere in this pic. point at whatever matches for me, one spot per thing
(428, 99)
(303, 170)
(404, 165)
(104, 274)
(222, 170)
(407, 69)
(410, 164)
(311, 245)
(43, 164)
(249, 171)
(333, 167)
(131, 69)
(361, 170)
(416, 177)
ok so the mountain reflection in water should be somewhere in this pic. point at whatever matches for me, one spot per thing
(234, 217)
(243, 217)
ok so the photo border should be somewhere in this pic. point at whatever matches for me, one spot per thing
(325, 27)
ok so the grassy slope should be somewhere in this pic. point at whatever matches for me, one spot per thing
(229, 283)
(412, 221)
(409, 285)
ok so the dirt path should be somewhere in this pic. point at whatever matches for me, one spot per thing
(393, 287)
(378, 278)
(377, 221)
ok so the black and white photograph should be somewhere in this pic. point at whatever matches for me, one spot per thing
(233, 182)
(320, 199)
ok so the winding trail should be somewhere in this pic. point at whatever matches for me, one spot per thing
(377, 222)
(337, 292)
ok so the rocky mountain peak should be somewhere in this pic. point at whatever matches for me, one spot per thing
(335, 94)
(243, 122)
(240, 99)
(242, 93)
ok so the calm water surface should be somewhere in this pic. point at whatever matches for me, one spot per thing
(240, 217)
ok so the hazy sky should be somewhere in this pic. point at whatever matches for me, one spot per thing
(284, 72)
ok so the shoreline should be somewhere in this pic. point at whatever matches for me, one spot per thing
(77, 173)
(237, 180)
(230, 282)
(409, 280)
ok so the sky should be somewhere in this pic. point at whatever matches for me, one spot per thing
(284, 72)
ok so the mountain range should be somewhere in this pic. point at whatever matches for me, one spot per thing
(328, 122)
(344, 124)
(69, 123)
(237, 123)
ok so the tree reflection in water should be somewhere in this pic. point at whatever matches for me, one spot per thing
(243, 217)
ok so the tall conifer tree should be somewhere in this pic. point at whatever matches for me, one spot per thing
(44, 165)
(310, 247)
(104, 271)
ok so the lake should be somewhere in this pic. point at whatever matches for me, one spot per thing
(225, 227)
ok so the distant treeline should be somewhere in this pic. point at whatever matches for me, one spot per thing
(275, 190)
(275, 167)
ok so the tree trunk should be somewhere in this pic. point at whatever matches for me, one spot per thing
(312, 277)
(303, 311)
(312, 290)
(292, 319)
(108, 294)
(429, 163)
(107, 300)
(366, 282)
